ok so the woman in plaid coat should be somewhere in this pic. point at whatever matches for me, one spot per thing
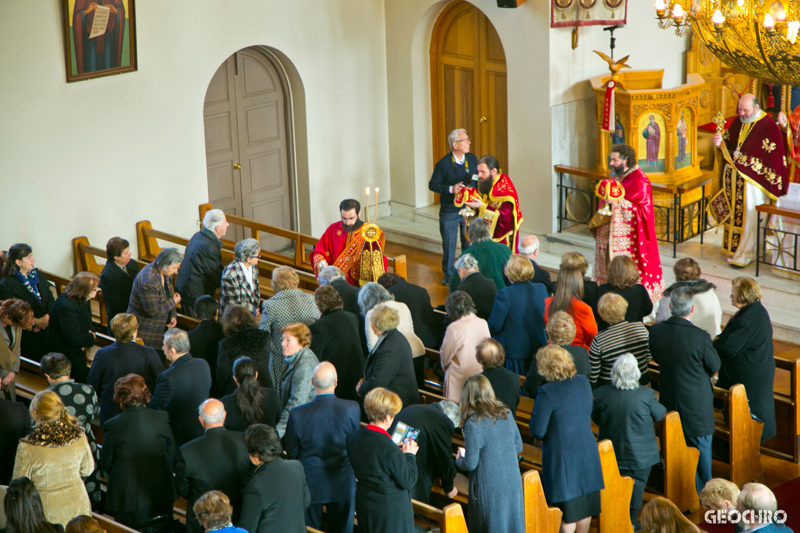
(240, 278)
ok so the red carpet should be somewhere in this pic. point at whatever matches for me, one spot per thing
(788, 496)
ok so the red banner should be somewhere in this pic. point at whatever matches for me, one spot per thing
(608, 108)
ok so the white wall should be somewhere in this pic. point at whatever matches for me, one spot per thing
(94, 157)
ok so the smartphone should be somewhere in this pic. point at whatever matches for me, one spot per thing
(412, 434)
(403, 433)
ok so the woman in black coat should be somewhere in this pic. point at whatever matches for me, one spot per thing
(745, 350)
(560, 331)
(21, 280)
(390, 363)
(623, 279)
(250, 403)
(137, 457)
(71, 328)
(385, 471)
(243, 339)
(116, 279)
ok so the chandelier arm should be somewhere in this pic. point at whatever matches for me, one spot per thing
(760, 42)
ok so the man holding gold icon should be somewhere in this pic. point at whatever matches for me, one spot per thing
(353, 246)
(496, 202)
(625, 224)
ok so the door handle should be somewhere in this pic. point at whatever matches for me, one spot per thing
(237, 166)
(482, 120)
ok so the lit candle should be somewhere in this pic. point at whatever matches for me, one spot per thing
(769, 23)
(791, 30)
(718, 20)
(677, 12)
(661, 8)
(740, 3)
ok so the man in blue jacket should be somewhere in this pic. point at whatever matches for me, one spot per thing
(201, 269)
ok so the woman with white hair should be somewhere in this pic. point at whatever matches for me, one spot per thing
(625, 413)
(240, 278)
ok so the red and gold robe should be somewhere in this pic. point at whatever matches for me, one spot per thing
(631, 232)
(500, 209)
(345, 250)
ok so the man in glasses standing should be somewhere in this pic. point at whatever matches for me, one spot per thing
(452, 173)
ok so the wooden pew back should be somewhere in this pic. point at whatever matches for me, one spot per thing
(450, 519)
(680, 462)
(743, 435)
(539, 518)
(615, 498)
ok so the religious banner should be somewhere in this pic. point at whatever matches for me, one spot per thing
(570, 13)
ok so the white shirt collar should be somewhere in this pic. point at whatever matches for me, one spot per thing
(460, 162)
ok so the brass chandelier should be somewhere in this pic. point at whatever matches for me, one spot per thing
(756, 37)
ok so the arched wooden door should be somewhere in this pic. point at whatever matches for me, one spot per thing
(247, 146)
(468, 78)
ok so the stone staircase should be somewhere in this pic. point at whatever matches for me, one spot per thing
(419, 228)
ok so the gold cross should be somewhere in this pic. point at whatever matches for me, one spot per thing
(720, 122)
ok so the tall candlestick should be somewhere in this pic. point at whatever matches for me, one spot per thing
(377, 190)
(366, 215)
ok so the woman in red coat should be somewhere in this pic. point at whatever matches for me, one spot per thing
(569, 298)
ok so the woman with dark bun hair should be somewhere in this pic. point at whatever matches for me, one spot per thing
(250, 403)
(116, 279)
(21, 280)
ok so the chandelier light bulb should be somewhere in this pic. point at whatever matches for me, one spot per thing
(718, 19)
(740, 3)
(677, 12)
(769, 22)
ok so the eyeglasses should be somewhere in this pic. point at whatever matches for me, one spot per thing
(463, 140)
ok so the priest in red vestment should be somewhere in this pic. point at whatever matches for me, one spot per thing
(496, 201)
(352, 246)
(631, 229)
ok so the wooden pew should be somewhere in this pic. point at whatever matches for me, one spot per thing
(301, 260)
(677, 481)
(743, 435)
(110, 526)
(786, 444)
(539, 518)
(450, 519)
(615, 498)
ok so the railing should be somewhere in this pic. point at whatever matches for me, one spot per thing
(302, 244)
(680, 220)
(781, 236)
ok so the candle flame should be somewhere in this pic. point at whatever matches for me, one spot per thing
(718, 18)
(769, 22)
(677, 11)
(660, 5)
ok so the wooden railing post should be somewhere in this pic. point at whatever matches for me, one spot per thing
(204, 208)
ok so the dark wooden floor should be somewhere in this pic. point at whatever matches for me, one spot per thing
(425, 269)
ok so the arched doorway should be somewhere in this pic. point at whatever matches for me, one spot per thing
(248, 146)
(468, 82)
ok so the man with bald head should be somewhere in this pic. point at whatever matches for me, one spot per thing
(316, 435)
(529, 247)
(216, 461)
(753, 173)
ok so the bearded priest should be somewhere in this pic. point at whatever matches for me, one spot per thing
(754, 172)
(496, 201)
(631, 229)
(352, 246)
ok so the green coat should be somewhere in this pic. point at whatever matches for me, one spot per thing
(491, 257)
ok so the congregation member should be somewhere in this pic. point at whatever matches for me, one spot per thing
(496, 201)
(390, 363)
(335, 338)
(276, 495)
(572, 477)
(746, 353)
(623, 279)
(491, 256)
(505, 383)
(181, 388)
(16, 316)
(334, 277)
(625, 413)
(153, 301)
(240, 278)
(137, 456)
(450, 175)
(491, 445)
(386, 471)
(687, 360)
(206, 336)
(427, 326)
(287, 306)
(216, 461)
(560, 331)
(660, 514)
(23, 281)
(201, 269)
(757, 506)
(123, 357)
(116, 279)
(343, 243)
(15, 423)
(436, 423)
(250, 403)
(634, 235)
(461, 338)
(481, 289)
(55, 456)
(71, 331)
(720, 495)
(577, 260)
(81, 402)
(620, 337)
(568, 298)
(296, 388)
(517, 319)
(707, 310)
(215, 513)
(23, 509)
(84, 524)
(529, 248)
(316, 435)
(243, 338)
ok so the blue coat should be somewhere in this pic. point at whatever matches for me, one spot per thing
(316, 435)
(562, 421)
(517, 320)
